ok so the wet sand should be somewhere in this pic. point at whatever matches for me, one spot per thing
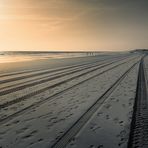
(44, 63)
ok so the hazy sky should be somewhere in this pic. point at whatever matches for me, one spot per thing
(73, 24)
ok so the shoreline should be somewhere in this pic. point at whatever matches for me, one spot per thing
(37, 64)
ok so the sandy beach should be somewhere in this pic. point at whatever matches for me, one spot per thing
(73, 73)
(72, 102)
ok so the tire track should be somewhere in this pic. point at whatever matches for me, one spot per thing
(5, 119)
(8, 85)
(30, 71)
(49, 77)
(6, 104)
(139, 126)
(78, 125)
(48, 71)
(52, 77)
(37, 70)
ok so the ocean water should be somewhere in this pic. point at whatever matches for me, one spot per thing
(8, 57)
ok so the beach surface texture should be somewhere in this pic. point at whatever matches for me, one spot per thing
(85, 101)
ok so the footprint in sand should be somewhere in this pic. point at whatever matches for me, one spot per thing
(107, 106)
(91, 146)
(117, 100)
(116, 120)
(21, 130)
(112, 98)
(30, 134)
(107, 117)
(100, 146)
(99, 113)
(121, 123)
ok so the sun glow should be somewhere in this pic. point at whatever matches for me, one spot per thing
(71, 25)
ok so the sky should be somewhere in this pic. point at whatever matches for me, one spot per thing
(73, 25)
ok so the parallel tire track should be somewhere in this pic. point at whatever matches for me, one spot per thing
(50, 73)
(6, 104)
(46, 72)
(77, 126)
(59, 71)
(139, 126)
(60, 68)
(5, 119)
(52, 77)
(47, 78)
(36, 70)
(37, 74)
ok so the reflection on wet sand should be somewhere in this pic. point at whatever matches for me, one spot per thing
(9, 58)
